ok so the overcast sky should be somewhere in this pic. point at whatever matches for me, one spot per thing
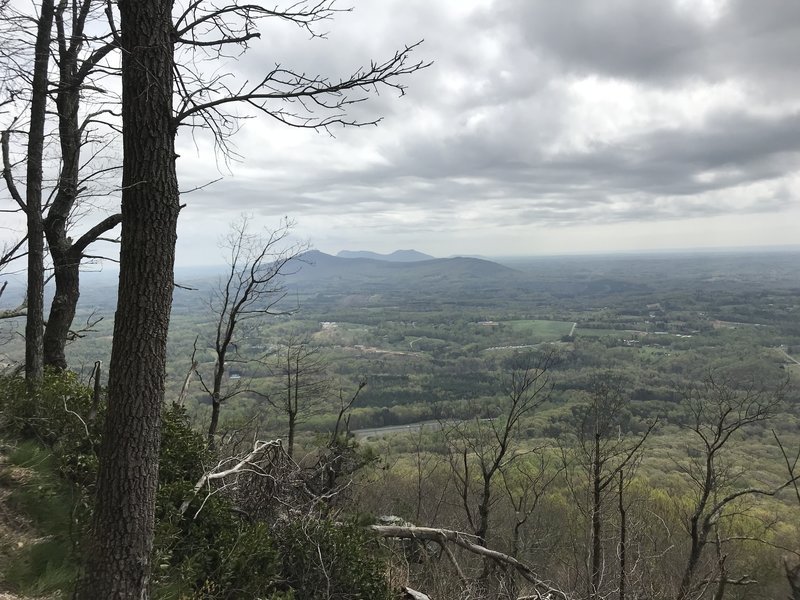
(542, 127)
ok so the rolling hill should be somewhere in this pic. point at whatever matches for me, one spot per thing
(316, 268)
(396, 256)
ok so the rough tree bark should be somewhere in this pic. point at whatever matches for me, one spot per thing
(118, 559)
(67, 258)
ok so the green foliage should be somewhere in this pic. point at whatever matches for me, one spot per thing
(43, 568)
(183, 451)
(323, 560)
(56, 449)
(212, 553)
(218, 556)
(215, 555)
(59, 416)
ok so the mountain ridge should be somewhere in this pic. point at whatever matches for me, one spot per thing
(317, 267)
(409, 255)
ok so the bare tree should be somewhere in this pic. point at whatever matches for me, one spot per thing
(603, 455)
(481, 449)
(31, 203)
(206, 31)
(118, 552)
(525, 484)
(340, 458)
(719, 409)
(542, 589)
(8, 254)
(305, 383)
(73, 84)
(252, 288)
(80, 72)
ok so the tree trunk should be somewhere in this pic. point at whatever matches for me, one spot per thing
(118, 554)
(290, 440)
(34, 324)
(65, 265)
(482, 530)
(696, 531)
(623, 540)
(214, 423)
(66, 255)
(216, 397)
(65, 302)
(596, 519)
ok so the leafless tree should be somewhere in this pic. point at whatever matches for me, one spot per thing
(340, 458)
(603, 455)
(719, 409)
(118, 551)
(208, 98)
(252, 288)
(542, 589)
(31, 203)
(8, 254)
(481, 449)
(525, 483)
(75, 85)
(304, 386)
(81, 71)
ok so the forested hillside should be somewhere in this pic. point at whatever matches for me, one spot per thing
(624, 408)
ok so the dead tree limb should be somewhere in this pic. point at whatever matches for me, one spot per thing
(10, 313)
(259, 449)
(462, 540)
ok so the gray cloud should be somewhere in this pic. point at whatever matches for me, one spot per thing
(503, 130)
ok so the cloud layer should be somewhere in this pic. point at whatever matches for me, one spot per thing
(541, 126)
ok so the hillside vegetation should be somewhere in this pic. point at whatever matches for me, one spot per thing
(612, 423)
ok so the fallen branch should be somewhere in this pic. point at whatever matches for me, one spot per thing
(409, 594)
(248, 461)
(443, 536)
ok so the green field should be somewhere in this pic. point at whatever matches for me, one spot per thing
(539, 331)
(588, 332)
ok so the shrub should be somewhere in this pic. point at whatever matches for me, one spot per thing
(325, 560)
(57, 415)
(216, 556)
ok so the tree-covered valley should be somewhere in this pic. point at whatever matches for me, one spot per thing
(598, 418)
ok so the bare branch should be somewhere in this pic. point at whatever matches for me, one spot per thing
(19, 311)
(462, 540)
(95, 232)
(7, 175)
(218, 472)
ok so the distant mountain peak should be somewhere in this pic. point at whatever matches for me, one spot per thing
(396, 256)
